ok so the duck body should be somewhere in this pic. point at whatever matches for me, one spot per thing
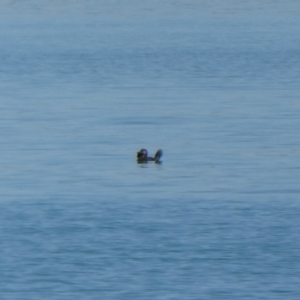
(142, 156)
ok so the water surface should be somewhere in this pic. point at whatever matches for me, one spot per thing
(85, 85)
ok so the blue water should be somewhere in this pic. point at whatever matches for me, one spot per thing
(84, 85)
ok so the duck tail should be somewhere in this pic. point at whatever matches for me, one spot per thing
(158, 155)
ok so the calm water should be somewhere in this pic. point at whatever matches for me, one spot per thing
(84, 85)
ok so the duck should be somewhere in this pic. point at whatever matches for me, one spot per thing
(142, 156)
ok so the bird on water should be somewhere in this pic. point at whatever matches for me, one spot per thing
(142, 156)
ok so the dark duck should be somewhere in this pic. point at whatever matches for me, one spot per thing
(142, 156)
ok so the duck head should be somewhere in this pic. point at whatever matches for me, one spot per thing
(143, 153)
